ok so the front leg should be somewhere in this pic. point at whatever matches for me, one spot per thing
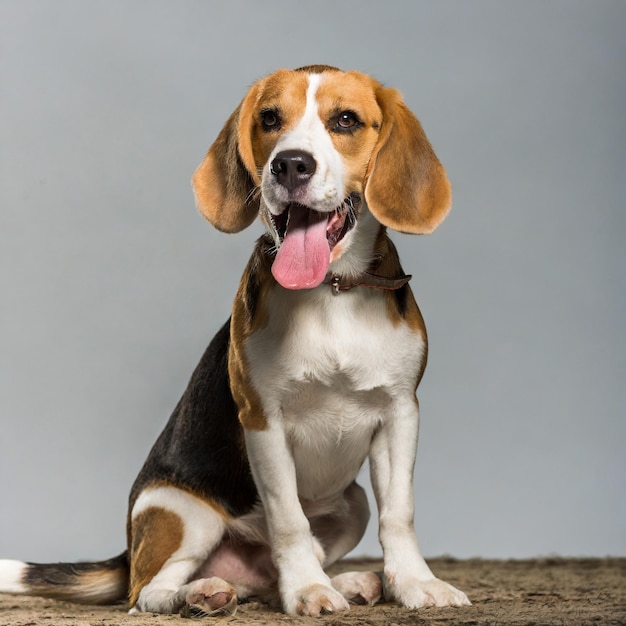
(304, 587)
(408, 579)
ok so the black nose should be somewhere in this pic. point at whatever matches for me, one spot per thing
(293, 168)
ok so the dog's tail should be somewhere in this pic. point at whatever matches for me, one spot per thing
(102, 582)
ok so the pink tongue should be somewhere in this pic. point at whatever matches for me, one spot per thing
(304, 255)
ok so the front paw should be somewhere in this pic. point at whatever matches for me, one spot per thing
(314, 600)
(415, 594)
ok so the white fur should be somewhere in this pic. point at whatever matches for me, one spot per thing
(327, 368)
(408, 578)
(353, 254)
(11, 576)
(330, 371)
(293, 547)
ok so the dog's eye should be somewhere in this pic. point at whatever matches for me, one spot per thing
(346, 120)
(270, 120)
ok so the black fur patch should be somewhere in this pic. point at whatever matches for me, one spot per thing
(401, 297)
(67, 574)
(201, 448)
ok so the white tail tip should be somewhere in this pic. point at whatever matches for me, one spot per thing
(11, 576)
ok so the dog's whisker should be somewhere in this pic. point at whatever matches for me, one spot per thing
(351, 216)
(255, 191)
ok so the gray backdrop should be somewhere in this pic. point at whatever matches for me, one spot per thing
(112, 284)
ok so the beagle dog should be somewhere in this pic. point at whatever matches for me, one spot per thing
(250, 490)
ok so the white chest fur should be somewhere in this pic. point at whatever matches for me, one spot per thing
(330, 368)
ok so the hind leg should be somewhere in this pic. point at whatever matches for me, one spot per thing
(340, 530)
(172, 535)
(338, 534)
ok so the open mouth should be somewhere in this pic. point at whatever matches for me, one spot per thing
(339, 222)
(307, 238)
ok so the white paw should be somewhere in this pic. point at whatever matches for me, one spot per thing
(359, 587)
(414, 593)
(314, 600)
(209, 596)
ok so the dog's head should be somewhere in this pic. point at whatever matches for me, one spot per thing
(313, 150)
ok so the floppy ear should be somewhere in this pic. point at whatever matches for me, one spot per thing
(407, 188)
(226, 180)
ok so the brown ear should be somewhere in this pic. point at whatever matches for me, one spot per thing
(226, 181)
(407, 188)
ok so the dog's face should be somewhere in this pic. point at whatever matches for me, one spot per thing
(314, 136)
(312, 150)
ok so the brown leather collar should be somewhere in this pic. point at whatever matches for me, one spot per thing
(366, 279)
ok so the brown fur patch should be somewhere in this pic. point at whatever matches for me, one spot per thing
(407, 187)
(249, 315)
(155, 535)
(401, 305)
(223, 185)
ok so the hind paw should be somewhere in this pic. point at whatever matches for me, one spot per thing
(209, 597)
(359, 587)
